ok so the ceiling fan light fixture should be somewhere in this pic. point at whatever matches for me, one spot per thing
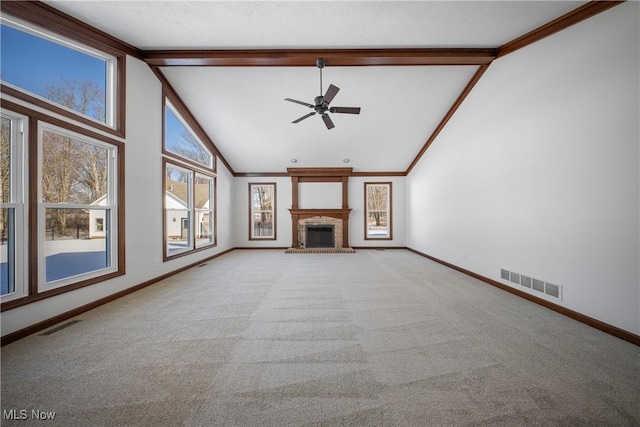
(321, 102)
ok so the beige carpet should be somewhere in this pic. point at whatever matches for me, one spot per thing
(374, 338)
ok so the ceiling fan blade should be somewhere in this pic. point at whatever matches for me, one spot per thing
(300, 102)
(327, 121)
(303, 117)
(331, 93)
(346, 110)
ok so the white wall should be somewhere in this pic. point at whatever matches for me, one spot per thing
(538, 171)
(320, 195)
(143, 177)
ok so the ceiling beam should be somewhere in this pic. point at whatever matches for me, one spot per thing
(579, 14)
(307, 57)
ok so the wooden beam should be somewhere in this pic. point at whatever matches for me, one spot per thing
(307, 57)
(449, 114)
(579, 14)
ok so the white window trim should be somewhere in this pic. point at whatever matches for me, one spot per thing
(111, 66)
(111, 207)
(190, 212)
(19, 170)
(210, 210)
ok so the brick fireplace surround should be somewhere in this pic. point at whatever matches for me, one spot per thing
(339, 218)
(300, 218)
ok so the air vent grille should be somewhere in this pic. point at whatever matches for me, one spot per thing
(552, 290)
(538, 285)
(529, 282)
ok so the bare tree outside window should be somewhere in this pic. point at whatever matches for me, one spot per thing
(262, 202)
(378, 210)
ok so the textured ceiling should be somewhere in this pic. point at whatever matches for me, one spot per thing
(243, 109)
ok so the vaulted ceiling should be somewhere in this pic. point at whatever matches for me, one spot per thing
(406, 64)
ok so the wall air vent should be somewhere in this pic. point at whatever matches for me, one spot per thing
(538, 285)
(531, 283)
(552, 290)
(515, 278)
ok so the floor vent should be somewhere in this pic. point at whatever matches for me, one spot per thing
(60, 327)
(531, 283)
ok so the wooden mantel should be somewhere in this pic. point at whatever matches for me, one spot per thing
(320, 175)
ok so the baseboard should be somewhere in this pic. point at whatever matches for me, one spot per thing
(594, 323)
(29, 330)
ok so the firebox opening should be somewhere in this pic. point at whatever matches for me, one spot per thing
(320, 236)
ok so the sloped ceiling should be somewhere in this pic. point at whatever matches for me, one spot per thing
(242, 108)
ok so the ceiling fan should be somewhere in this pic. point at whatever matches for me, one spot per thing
(321, 105)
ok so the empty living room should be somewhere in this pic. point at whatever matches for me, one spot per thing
(320, 213)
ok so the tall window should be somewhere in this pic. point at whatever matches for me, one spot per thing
(262, 217)
(190, 186)
(75, 77)
(78, 221)
(12, 211)
(377, 210)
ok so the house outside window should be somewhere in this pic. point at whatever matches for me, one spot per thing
(262, 215)
(377, 210)
(189, 185)
(78, 188)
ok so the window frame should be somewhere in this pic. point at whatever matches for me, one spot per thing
(110, 209)
(172, 101)
(211, 210)
(84, 43)
(18, 197)
(193, 244)
(31, 165)
(273, 211)
(389, 209)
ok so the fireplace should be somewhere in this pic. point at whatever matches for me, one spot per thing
(319, 236)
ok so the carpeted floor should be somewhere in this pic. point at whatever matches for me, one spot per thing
(374, 338)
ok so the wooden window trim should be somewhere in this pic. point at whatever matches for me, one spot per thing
(34, 294)
(165, 237)
(275, 212)
(56, 22)
(194, 126)
(389, 210)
